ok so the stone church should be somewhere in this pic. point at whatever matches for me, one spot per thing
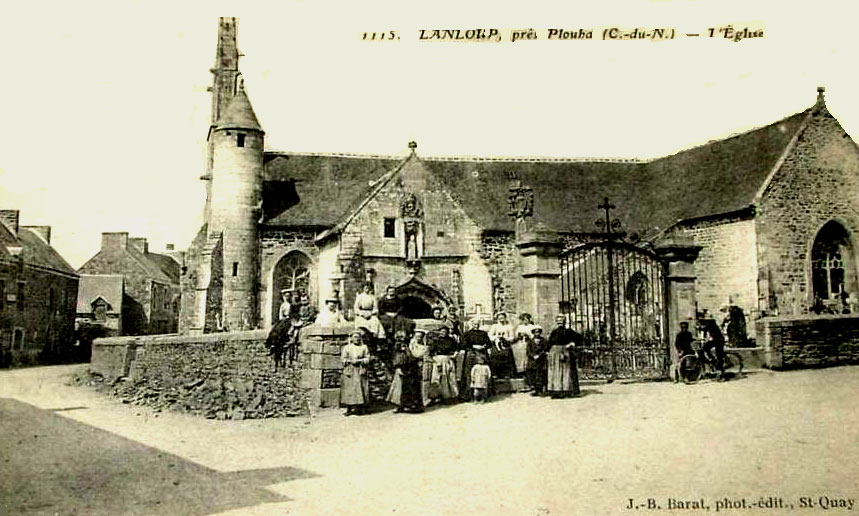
(764, 220)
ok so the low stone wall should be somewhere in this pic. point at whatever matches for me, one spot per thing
(809, 341)
(219, 375)
(235, 364)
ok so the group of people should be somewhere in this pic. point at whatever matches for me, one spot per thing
(388, 359)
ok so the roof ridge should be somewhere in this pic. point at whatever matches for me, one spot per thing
(732, 136)
(537, 159)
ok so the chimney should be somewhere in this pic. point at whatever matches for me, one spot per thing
(170, 247)
(114, 241)
(10, 219)
(140, 244)
(44, 232)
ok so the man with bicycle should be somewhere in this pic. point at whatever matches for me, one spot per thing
(683, 345)
(714, 346)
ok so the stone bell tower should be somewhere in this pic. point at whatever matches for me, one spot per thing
(235, 184)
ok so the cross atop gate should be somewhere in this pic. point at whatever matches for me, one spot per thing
(611, 227)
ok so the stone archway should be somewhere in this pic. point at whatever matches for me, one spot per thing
(832, 267)
(418, 299)
(293, 272)
(415, 307)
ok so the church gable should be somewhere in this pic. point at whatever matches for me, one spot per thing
(816, 185)
(413, 215)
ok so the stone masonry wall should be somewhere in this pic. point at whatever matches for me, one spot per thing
(501, 256)
(726, 268)
(226, 375)
(809, 341)
(218, 375)
(818, 182)
(275, 244)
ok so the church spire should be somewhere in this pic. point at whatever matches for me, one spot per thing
(226, 69)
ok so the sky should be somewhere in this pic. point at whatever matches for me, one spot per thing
(104, 110)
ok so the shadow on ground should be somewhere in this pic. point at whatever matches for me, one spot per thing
(54, 465)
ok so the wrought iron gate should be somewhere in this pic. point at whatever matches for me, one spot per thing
(614, 294)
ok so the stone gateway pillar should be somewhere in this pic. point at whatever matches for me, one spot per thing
(679, 255)
(539, 291)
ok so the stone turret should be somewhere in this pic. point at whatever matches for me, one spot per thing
(236, 198)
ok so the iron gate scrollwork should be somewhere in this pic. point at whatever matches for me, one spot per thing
(614, 294)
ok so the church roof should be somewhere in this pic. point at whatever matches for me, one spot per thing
(239, 114)
(715, 178)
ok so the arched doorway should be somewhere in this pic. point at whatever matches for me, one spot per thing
(292, 273)
(833, 274)
(414, 307)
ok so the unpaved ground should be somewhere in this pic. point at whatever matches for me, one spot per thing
(772, 435)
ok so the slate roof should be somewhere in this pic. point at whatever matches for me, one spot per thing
(38, 252)
(239, 114)
(108, 286)
(168, 265)
(326, 186)
(715, 178)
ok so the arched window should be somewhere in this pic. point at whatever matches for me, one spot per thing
(832, 265)
(291, 273)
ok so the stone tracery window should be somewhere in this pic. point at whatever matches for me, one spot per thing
(292, 273)
(832, 264)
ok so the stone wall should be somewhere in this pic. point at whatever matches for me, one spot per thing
(499, 252)
(726, 268)
(809, 341)
(188, 282)
(234, 368)
(818, 182)
(320, 363)
(275, 245)
(46, 318)
(219, 375)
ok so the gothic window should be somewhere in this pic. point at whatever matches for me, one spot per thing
(637, 290)
(832, 264)
(292, 273)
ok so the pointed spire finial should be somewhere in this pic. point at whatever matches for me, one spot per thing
(820, 92)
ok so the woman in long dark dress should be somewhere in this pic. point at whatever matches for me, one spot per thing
(406, 386)
(563, 376)
(474, 342)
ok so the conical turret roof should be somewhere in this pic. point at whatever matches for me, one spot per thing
(239, 114)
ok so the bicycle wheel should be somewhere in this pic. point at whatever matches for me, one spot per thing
(690, 369)
(733, 364)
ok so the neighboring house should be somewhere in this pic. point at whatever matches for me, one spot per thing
(38, 289)
(150, 302)
(99, 305)
(773, 211)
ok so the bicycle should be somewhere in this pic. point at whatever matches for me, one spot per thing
(693, 367)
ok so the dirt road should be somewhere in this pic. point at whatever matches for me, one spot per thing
(768, 443)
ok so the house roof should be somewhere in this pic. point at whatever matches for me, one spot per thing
(39, 253)
(93, 286)
(717, 177)
(168, 265)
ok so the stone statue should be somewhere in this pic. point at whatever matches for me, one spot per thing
(412, 215)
